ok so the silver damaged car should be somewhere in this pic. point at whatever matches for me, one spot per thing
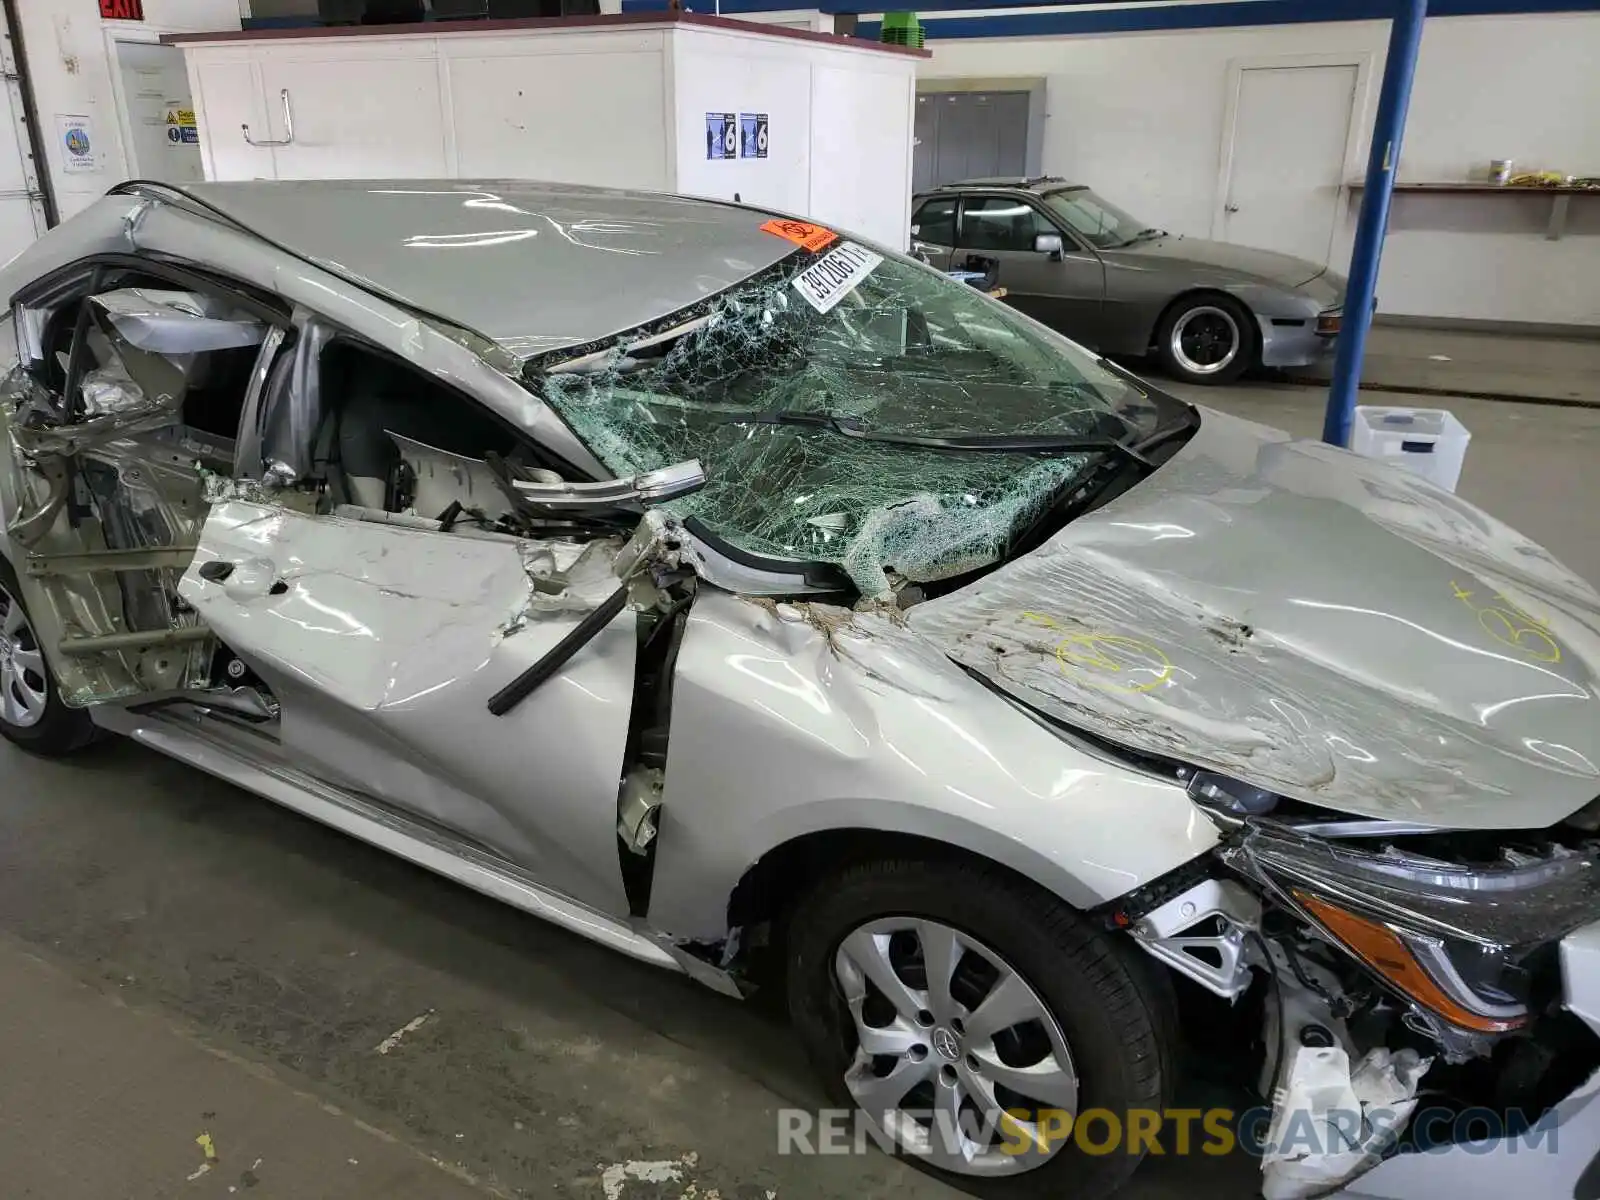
(760, 603)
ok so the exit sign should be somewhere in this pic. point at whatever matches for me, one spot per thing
(122, 10)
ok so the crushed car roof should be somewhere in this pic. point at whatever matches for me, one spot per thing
(532, 266)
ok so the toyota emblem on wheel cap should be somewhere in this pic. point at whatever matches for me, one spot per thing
(945, 1043)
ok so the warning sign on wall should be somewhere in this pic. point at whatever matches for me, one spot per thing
(181, 127)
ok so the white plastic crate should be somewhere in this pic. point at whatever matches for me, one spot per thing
(1429, 441)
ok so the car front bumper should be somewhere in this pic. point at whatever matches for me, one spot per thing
(1558, 1158)
(1285, 345)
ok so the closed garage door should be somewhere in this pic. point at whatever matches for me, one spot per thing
(22, 216)
(969, 135)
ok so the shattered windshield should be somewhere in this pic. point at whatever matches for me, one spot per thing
(850, 408)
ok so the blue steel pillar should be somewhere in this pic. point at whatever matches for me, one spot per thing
(1405, 36)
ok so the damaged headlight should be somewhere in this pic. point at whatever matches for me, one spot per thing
(1447, 936)
(1221, 792)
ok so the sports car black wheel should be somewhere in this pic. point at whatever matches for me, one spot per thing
(1206, 339)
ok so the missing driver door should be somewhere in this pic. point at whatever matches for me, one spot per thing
(127, 395)
(383, 645)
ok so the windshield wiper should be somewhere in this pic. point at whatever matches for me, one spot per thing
(1012, 443)
(1144, 235)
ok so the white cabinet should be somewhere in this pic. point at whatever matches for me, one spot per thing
(610, 101)
(373, 117)
(507, 125)
(310, 111)
(233, 101)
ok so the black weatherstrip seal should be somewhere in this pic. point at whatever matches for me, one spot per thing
(524, 685)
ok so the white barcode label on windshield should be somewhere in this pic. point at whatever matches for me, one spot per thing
(826, 283)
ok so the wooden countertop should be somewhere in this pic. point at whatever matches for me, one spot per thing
(538, 25)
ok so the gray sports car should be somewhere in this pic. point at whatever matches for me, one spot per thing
(1077, 262)
(769, 607)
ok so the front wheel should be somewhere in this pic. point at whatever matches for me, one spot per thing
(1206, 339)
(969, 1017)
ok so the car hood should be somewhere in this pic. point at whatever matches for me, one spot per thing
(1310, 622)
(1268, 266)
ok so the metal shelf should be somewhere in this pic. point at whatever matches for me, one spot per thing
(1560, 194)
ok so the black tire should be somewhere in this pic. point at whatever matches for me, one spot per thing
(1114, 1015)
(1200, 317)
(61, 730)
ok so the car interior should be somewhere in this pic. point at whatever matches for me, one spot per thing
(370, 396)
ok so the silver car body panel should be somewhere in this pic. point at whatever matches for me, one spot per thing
(1292, 345)
(383, 644)
(248, 762)
(1202, 254)
(469, 249)
(791, 720)
(1311, 623)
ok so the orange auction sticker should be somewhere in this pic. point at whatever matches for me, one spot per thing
(801, 233)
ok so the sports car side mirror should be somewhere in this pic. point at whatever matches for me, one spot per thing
(651, 487)
(1048, 243)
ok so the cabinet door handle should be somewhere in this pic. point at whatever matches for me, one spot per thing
(288, 126)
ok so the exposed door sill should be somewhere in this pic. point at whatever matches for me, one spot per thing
(237, 762)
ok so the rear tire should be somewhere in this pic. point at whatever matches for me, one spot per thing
(1206, 339)
(32, 714)
(1093, 1016)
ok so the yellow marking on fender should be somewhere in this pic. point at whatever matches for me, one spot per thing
(1511, 625)
(1093, 656)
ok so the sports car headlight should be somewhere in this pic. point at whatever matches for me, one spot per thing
(1446, 935)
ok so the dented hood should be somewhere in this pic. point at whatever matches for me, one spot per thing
(1310, 622)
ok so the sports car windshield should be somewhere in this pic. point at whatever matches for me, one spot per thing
(853, 408)
(1100, 221)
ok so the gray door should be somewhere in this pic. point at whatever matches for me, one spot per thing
(969, 135)
(1065, 293)
(158, 113)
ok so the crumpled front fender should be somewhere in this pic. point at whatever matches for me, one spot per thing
(790, 720)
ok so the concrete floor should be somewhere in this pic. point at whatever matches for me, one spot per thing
(1455, 363)
(178, 959)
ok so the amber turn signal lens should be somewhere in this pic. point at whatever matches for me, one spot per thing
(1329, 322)
(1382, 949)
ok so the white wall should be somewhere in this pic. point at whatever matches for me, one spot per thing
(839, 119)
(512, 104)
(863, 189)
(716, 73)
(70, 69)
(1140, 117)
